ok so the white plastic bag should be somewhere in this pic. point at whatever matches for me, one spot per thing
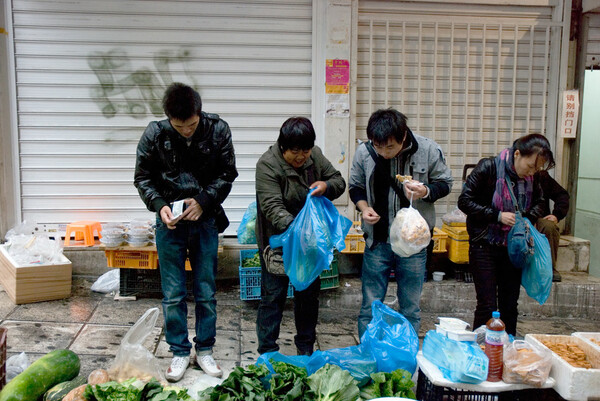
(133, 359)
(15, 365)
(409, 233)
(107, 283)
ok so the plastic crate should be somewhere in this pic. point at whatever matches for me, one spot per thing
(250, 283)
(131, 259)
(426, 390)
(330, 282)
(3, 333)
(355, 243)
(135, 259)
(333, 270)
(440, 241)
(458, 243)
(250, 278)
(145, 283)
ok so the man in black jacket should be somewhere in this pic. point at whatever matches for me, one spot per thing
(548, 225)
(187, 159)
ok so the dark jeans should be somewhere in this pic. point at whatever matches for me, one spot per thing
(199, 241)
(497, 284)
(274, 290)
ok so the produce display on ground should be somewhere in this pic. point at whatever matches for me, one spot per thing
(55, 377)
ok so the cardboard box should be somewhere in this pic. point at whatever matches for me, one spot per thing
(572, 383)
(34, 283)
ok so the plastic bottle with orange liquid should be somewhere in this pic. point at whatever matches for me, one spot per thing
(495, 333)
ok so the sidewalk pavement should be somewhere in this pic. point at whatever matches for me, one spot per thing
(92, 325)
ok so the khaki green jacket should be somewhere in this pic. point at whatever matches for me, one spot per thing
(281, 190)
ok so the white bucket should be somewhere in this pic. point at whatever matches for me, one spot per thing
(438, 276)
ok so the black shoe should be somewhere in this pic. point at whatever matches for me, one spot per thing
(307, 352)
(556, 278)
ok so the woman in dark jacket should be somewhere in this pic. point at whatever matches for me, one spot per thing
(284, 175)
(486, 201)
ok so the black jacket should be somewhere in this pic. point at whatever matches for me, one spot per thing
(552, 190)
(476, 200)
(167, 169)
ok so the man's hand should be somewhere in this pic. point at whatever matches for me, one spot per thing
(415, 189)
(321, 187)
(193, 210)
(507, 218)
(552, 218)
(167, 217)
(369, 214)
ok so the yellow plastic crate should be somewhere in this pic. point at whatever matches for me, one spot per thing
(458, 243)
(355, 243)
(135, 259)
(440, 241)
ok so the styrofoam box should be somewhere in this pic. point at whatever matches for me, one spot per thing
(572, 383)
(588, 337)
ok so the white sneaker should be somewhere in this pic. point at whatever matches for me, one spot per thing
(178, 366)
(208, 365)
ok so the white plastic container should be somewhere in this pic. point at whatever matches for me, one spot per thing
(438, 276)
(452, 323)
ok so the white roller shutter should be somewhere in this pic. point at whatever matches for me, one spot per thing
(90, 76)
(593, 41)
(473, 77)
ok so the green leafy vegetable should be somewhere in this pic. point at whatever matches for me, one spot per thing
(241, 385)
(332, 383)
(134, 390)
(395, 384)
(254, 261)
(288, 383)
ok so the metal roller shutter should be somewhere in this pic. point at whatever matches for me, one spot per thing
(90, 76)
(593, 41)
(473, 77)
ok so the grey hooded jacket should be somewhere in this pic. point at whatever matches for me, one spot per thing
(426, 165)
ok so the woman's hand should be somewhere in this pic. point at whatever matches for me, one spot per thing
(321, 187)
(507, 218)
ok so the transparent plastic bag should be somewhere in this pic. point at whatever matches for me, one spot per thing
(526, 363)
(309, 240)
(409, 233)
(455, 217)
(459, 361)
(16, 365)
(108, 282)
(133, 359)
(246, 233)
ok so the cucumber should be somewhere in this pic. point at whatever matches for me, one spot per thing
(53, 368)
(57, 392)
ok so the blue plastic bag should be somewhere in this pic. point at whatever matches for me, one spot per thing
(357, 360)
(276, 356)
(309, 241)
(391, 339)
(246, 233)
(537, 275)
(459, 361)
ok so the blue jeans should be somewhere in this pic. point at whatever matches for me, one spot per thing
(198, 241)
(378, 262)
(274, 290)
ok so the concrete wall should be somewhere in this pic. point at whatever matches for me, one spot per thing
(587, 214)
